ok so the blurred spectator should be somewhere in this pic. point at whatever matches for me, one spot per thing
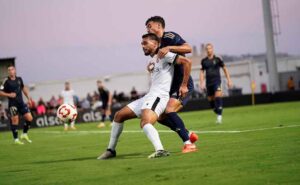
(59, 101)
(76, 101)
(115, 95)
(134, 94)
(53, 102)
(89, 97)
(97, 104)
(85, 104)
(291, 84)
(41, 108)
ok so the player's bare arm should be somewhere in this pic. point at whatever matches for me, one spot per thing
(110, 98)
(26, 93)
(9, 95)
(201, 77)
(187, 65)
(183, 49)
(227, 75)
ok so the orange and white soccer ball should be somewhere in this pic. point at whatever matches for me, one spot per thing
(67, 113)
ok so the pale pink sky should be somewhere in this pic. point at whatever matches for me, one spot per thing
(66, 39)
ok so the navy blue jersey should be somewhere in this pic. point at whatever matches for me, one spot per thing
(13, 86)
(104, 95)
(173, 39)
(212, 70)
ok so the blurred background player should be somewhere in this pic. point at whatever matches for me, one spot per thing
(12, 88)
(173, 42)
(68, 98)
(211, 67)
(106, 98)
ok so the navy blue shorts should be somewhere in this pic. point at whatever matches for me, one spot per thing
(211, 89)
(175, 95)
(15, 110)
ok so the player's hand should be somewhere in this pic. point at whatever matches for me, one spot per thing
(162, 52)
(12, 95)
(183, 90)
(150, 67)
(202, 86)
(29, 103)
(229, 84)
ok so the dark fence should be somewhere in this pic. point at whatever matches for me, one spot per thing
(195, 104)
(243, 100)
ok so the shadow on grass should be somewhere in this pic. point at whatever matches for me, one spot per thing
(127, 156)
(119, 157)
(65, 160)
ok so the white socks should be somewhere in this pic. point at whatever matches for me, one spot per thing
(188, 142)
(72, 124)
(153, 136)
(116, 130)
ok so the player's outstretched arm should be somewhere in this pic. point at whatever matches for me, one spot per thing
(8, 95)
(201, 78)
(182, 49)
(227, 75)
(187, 65)
(26, 93)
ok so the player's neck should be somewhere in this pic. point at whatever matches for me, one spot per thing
(160, 34)
(12, 77)
(211, 56)
(155, 52)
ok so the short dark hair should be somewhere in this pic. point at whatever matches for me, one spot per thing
(11, 65)
(151, 36)
(158, 19)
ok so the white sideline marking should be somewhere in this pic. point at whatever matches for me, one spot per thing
(165, 131)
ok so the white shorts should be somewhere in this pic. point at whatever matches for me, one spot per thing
(154, 103)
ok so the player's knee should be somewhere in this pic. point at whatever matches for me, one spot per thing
(210, 98)
(143, 123)
(29, 118)
(118, 117)
(173, 108)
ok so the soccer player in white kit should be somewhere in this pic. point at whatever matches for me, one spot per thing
(68, 98)
(153, 104)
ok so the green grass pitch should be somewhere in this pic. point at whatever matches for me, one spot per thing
(266, 151)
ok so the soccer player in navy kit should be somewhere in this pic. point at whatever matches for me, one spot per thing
(172, 42)
(211, 67)
(12, 88)
(106, 99)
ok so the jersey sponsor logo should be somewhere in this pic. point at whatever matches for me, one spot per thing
(169, 35)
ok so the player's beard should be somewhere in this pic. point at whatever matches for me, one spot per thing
(146, 52)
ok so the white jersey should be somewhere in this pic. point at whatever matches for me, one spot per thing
(68, 96)
(161, 78)
(162, 74)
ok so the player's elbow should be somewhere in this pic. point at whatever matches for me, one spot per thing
(187, 62)
(189, 49)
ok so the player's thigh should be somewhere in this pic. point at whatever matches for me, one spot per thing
(124, 114)
(218, 91)
(148, 116)
(14, 115)
(15, 120)
(28, 116)
(174, 105)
